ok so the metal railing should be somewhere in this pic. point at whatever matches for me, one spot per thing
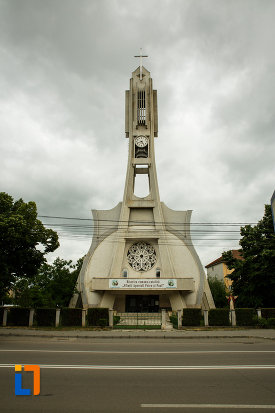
(137, 320)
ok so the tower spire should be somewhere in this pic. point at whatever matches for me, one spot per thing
(140, 62)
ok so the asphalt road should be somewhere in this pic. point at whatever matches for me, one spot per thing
(143, 376)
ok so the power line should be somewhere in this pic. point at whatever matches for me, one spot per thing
(203, 234)
(148, 222)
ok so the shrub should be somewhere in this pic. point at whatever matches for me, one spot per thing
(268, 312)
(218, 291)
(191, 317)
(45, 316)
(261, 322)
(1, 315)
(116, 319)
(18, 316)
(71, 317)
(245, 316)
(103, 322)
(271, 322)
(96, 315)
(174, 320)
(218, 317)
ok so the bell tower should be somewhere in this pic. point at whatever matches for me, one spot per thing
(142, 218)
(142, 250)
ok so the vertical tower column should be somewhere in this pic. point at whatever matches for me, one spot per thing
(141, 128)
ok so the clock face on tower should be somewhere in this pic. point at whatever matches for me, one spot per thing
(141, 141)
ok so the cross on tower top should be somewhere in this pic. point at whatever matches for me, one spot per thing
(140, 63)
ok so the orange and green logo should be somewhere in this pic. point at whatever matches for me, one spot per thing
(18, 380)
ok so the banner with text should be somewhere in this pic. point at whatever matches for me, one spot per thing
(142, 284)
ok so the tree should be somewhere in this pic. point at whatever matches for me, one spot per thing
(24, 241)
(254, 276)
(218, 291)
(54, 285)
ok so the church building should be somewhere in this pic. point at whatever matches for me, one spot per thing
(142, 258)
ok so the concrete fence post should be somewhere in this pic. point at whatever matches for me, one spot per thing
(163, 319)
(57, 317)
(31, 317)
(111, 318)
(83, 322)
(179, 319)
(205, 317)
(259, 313)
(5, 316)
(233, 318)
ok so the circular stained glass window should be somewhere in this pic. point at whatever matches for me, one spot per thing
(141, 256)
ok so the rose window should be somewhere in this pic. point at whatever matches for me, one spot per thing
(141, 256)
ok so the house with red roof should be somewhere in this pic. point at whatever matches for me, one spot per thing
(218, 269)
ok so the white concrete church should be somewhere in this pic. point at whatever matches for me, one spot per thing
(142, 258)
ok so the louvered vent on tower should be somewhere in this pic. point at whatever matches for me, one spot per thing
(141, 111)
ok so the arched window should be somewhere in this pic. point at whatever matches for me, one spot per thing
(125, 273)
(158, 272)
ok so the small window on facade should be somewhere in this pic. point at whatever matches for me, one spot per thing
(158, 273)
(125, 273)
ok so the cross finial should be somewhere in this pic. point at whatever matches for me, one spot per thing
(140, 63)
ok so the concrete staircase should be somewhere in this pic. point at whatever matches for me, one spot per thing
(168, 325)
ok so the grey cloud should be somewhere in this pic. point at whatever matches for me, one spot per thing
(64, 68)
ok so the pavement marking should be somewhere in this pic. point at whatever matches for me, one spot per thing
(113, 367)
(211, 406)
(138, 352)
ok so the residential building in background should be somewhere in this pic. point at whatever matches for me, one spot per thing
(218, 269)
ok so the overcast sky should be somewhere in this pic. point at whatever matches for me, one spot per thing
(65, 65)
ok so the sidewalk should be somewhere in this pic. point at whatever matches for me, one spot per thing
(268, 334)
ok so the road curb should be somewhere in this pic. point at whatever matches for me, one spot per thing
(133, 336)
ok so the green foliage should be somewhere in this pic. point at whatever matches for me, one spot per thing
(18, 316)
(96, 315)
(254, 277)
(218, 317)
(218, 291)
(268, 312)
(267, 321)
(103, 322)
(52, 286)
(1, 315)
(45, 316)
(245, 316)
(116, 319)
(71, 317)
(7, 298)
(260, 322)
(191, 317)
(174, 320)
(24, 241)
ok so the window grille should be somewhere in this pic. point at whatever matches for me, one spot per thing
(141, 111)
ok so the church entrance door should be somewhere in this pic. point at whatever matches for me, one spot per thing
(142, 304)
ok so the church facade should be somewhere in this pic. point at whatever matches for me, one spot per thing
(142, 258)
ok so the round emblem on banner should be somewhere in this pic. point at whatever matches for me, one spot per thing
(141, 256)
